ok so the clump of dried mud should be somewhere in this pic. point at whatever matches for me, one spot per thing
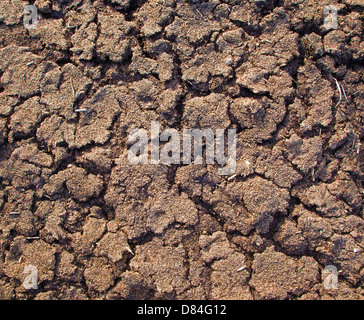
(97, 227)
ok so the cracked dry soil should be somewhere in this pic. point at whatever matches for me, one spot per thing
(97, 227)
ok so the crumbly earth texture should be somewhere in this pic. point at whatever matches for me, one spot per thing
(97, 227)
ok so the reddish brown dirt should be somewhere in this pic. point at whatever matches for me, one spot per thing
(98, 227)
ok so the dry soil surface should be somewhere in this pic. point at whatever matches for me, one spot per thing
(97, 227)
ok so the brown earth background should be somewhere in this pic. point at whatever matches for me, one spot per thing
(97, 227)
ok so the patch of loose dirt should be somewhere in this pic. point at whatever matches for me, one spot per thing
(96, 226)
